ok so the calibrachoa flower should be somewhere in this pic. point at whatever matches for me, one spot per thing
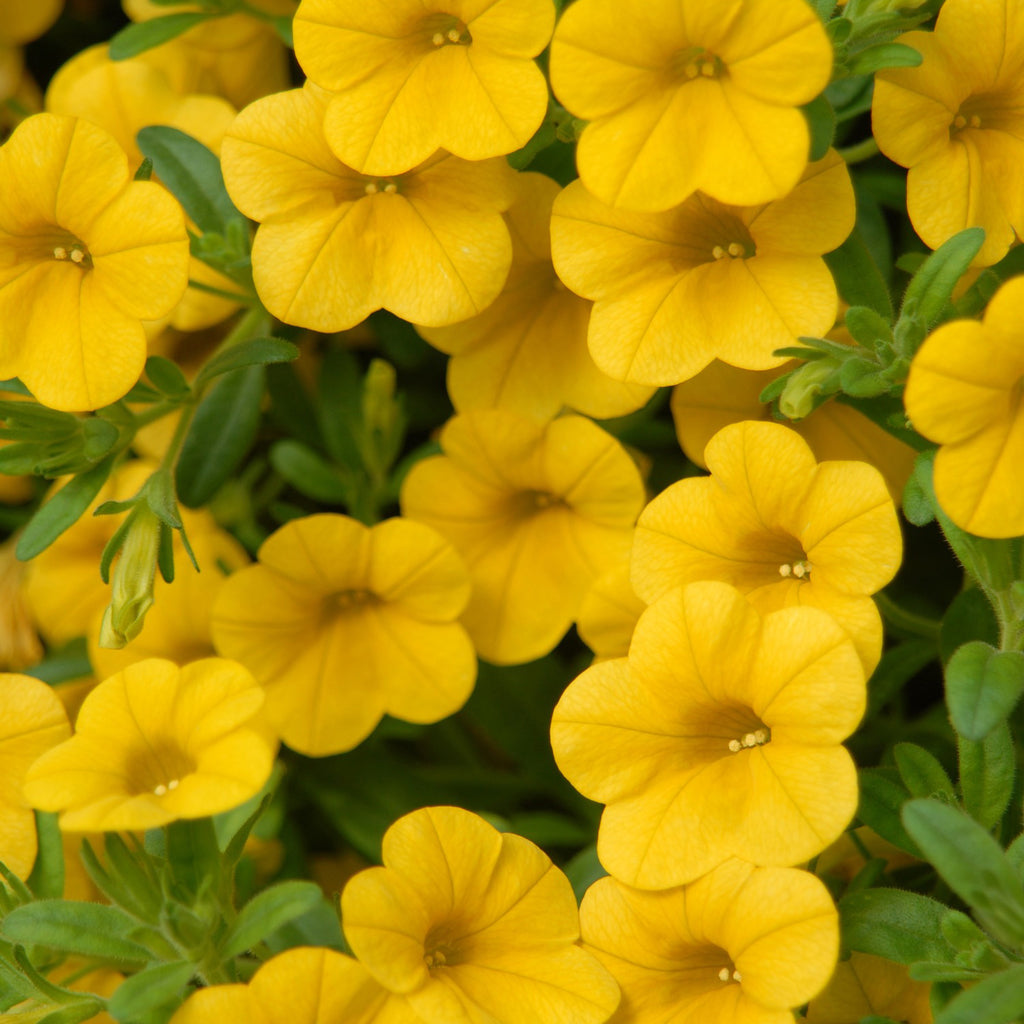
(344, 623)
(674, 290)
(21, 22)
(527, 352)
(957, 121)
(86, 254)
(300, 986)
(155, 743)
(32, 720)
(413, 76)
(964, 393)
(721, 394)
(867, 986)
(719, 736)
(743, 945)
(609, 614)
(537, 510)
(778, 525)
(334, 245)
(685, 95)
(473, 925)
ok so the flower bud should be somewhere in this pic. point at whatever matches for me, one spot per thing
(132, 585)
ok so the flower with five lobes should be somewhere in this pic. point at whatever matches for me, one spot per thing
(414, 76)
(743, 945)
(86, 254)
(473, 926)
(156, 743)
(964, 392)
(718, 736)
(334, 245)
(781, 527)
(537, 510)
(688, 94)
(344, 623)
(32, 720)
(957, 121)
(675, 289)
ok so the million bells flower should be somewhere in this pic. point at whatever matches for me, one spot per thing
(86, 254)
(473, 926)
(684, 95)
(718, 736)
(156, 743)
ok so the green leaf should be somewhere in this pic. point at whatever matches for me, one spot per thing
(193, 853)
(821, 120)
(925, 970)
(159, 987)
(139, 884)
(76, 1012)
(254, 352)
(998, 999)
(310, 474)
(901, 926)
(918, 501)
(867, 326)
(47, 878)
(968, 617)
(882, 795)
(144, 35)
(145, 171)
(191, 172)
(983, 686)
(921, 771)
(857, 276)
(89, 929)
(167, 377)
(972, 863)
(222, 432)
(932, 286)
(885, 55)
(267, 912)
(987, 771)
(63, 510)
(1015, 855)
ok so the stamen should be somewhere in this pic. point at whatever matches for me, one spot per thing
(60, 253)
(707, 70)
(735, 746)
(160, 789)
(959, 121)
(757, 738)
(735, 249)
(801, 570)
(975, 121)
(723, 974)
(437, 39)
(718, 252)
(371, 188)
(736, 976)
(77, 255)
(391, 188)
(454, 35)
(692, 71)
(173, 784)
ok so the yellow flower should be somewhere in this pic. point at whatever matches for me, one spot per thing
(527, 352)
(222, 34)
(964, 393)
(537, 510)
(414, 76)
(335, 245)
(156, 743)
(721, 394)
(674, 290)
(685, 95)
(719, 736)
(743, 945)
(20, 647)
(866, 986)
(344, 623)
(32, 720)
(957, 121)
(609, 614)
(300, 986)
(86, 254)
(21, 22)
(474, 926)
(778, 525)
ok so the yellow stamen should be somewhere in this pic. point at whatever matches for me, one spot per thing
(723, 974)
(454, 35)
(77, 255)
(60, 253)
(735, 746)
(391, 188)
(718, 252)
(758, 738)
(975, 121)
(707, 70)
(437, 39)
(692, 71)
(736, 976)
(371, 188)
(735, 249)
(801, 570)
(959, 121)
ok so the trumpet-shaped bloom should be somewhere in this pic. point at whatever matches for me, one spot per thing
(21, 22)
(781, 527)
(685, 95)
(300, 986)
(412, 77)
(537, 511)
(473, 926)
(609, 614)
(527, 352)
(718, 736)
(86, 254)
(743, 945)
(957, 121)
(964, 392)
(344, 623)
(32, 720)
(721, 394)
(156, 743)
(20, 646)
(866, 986)
(674, 290)
(335, 245)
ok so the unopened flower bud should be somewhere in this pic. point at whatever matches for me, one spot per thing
(132, 585)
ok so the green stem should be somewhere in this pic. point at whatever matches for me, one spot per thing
(239, 297)
(860, 151)
(909, 622)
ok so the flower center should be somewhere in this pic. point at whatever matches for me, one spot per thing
(529, 503)
(757, 738)
(445, 30)
(996, 111)
(800, 570)
(347, 601)
(73, 251)
(158, 770)
(729, 974)
(386, 185)
(734, 250)
(696, 62)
